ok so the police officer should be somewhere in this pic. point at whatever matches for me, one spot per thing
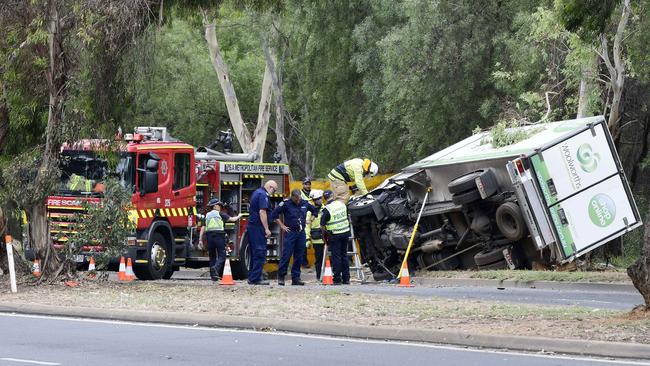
(313, 233)
(257, 230)
(334, 221)
(216, 236)
(294, 212)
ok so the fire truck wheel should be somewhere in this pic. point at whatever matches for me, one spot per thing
(158, 259)
(170, 273)
(240, 267)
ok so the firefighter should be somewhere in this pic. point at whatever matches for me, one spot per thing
(353, 170)
(313, 233)
(79, 183)
(216, 236)
(258, 231)
(294, 212)
(304, 193)
(306, 189)
(334, 223)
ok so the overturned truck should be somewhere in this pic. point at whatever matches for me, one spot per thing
(555, 195)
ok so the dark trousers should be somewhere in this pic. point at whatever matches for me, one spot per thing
(318, 254)
(216, 251)
(257, 243)
(338, 245)
(293, 245)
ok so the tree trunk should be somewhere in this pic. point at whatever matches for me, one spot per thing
(160, 13)
(616, 69)
(263, 115)
(278, 97)
(4, 116)
(586, 88)
(639, 272)
(236, 120)
(57, 83)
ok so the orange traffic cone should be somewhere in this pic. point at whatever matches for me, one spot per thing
(130, 276)
(405, 279)
(327, 276)
(121, 275)
(36, 268)
(91, 268)
(227, 274)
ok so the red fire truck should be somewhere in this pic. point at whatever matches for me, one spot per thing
(171, 183)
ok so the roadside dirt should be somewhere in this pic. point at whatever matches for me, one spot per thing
(334, 304)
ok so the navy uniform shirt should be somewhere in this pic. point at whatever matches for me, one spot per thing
(294, 214)
(259, 201)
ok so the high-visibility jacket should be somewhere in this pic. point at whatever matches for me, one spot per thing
(214, 221)
(78, 183)
(305, 196)
(313, 228)
(350, 171)
(338, 222)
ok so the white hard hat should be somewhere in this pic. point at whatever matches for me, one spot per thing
(316, 194)
(373, 169)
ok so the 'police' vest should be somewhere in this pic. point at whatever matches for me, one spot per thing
(214, 222)
(338, 222)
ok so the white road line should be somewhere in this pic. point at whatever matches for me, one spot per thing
(20, 360)
(338, 339)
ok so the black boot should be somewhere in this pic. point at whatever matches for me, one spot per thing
(280, 280)
(214, 276)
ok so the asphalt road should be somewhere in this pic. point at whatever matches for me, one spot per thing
(40, 340)
(597, 299)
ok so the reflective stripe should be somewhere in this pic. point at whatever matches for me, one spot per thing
(174, 212)
(338, 222)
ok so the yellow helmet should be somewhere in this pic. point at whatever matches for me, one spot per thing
(370, 167)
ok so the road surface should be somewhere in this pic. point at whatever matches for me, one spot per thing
(597, 299)
(38, 340)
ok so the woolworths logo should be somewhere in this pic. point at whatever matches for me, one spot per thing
(602, 210)
(587, 158)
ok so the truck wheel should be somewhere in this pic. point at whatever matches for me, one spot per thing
(502, 264)
(466, 197)
(158, 259)
(486, 257)
(240, 267)
(467, 182)
(361, 206)
(170, 272)
(510, 221)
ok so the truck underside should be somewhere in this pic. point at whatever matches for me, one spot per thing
(449, 236)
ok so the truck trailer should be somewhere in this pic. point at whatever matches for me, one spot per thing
(556, 194)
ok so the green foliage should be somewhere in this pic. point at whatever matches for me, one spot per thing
(588, 18)
(507, 133)
(19, 183)
(104, 224)
(171, 82)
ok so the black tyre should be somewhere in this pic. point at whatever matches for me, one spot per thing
(467, 182)
(486, 257)
(361, 206)
(170, 272)
(502, 264)
(240, 266)
(466, 197)
(464, 182)
(510, 221)
(159, 259)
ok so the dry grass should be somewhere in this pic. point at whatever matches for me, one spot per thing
(337, 305)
